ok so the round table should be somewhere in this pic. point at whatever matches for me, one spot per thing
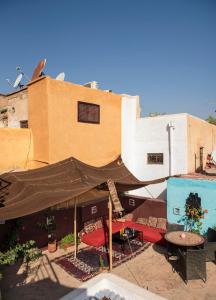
(184, 238)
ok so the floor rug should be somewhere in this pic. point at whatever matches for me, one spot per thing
(88, 261)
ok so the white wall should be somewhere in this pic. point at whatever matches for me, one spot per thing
(151, 135)
(17, 109)
(130, 113)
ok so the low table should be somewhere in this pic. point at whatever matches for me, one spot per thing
(184, 238)
(124, 236)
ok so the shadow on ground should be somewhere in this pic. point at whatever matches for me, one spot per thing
(32, 283)
(159, 249)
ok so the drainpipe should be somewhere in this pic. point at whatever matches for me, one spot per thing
(171, 128)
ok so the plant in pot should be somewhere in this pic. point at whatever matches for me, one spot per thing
(52, 242)
(68, 241)
(50, 226)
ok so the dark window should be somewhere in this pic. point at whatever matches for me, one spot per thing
(132, 202)
(24, 124)
(155, 158)
(88, 112)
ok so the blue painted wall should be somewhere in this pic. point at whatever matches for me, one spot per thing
(178, 190)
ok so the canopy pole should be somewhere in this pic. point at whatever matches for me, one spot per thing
(75, 228)
(110, 233)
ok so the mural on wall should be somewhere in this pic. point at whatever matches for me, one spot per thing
(192, 202)
(194, 213)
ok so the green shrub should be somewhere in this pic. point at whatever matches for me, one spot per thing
(28, 252)
(68, 239)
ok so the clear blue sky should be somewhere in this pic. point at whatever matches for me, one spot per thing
(162, 50)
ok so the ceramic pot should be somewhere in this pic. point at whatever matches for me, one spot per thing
(52, 246)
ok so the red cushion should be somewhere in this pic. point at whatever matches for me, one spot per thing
(150, 234)
(95, 238)
(99, 237)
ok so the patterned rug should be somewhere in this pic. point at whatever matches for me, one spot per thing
(87, 263)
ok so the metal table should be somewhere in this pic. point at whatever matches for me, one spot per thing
(128, 235)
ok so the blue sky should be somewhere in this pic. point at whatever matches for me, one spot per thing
(162, 50)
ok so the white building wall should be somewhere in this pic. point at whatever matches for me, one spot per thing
(141, 136)
(16, 105)
(17, 109)
(130, 113)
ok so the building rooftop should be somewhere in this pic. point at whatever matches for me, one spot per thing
(198, 176)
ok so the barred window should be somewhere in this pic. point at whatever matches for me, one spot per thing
(88, 112)
(24, 124)
(155, 158)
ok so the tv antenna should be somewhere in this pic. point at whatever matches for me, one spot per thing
(60, 76)
(38, 71)
(17, 83)
(18, 68)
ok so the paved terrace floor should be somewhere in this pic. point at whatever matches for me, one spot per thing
(46, 280)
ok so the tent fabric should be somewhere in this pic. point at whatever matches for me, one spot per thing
(27, 192)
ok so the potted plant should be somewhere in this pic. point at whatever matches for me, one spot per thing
(50, 226)
(67, 241)
(52, 242)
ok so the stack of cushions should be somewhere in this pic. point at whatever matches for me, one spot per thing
(93, 225)
(153, 222)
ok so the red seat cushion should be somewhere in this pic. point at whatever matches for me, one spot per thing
(150, 234)
(99, 237)
(95, 238)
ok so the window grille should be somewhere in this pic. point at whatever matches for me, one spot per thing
(88, 112)
(155, 158)
(24, 124)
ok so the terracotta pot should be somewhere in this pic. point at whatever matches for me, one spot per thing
(52, 246)
(67, 245)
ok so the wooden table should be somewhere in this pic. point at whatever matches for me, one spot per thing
(184, 238)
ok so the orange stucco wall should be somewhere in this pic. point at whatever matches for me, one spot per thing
(58, 134)
(200, 134)
(38, 118)
(16, 149)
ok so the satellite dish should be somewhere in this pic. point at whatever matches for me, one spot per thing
(214, 155)
(60, 76)
(17, 81)
(8, 81)
(18, 68)
(38, 70)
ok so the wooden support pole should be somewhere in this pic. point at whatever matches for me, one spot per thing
(110, 232)
(75, 229)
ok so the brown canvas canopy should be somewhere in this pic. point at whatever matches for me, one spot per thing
(24, 193)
